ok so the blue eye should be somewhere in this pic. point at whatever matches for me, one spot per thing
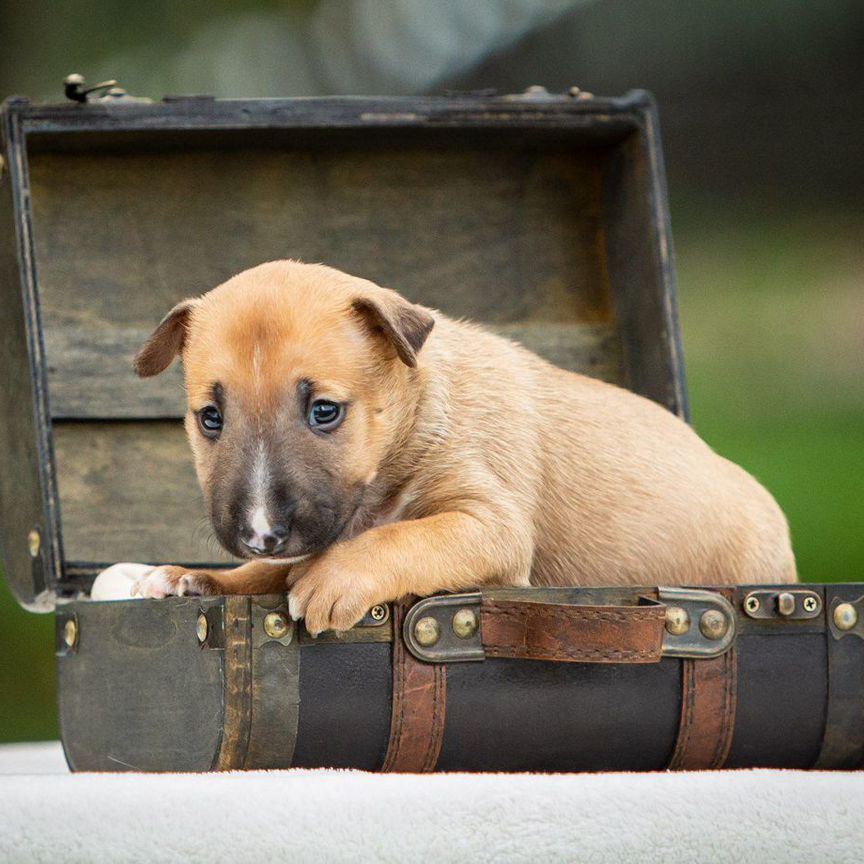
(325, 415)
(210, 421)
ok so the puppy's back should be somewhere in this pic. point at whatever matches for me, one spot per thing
(616, 488)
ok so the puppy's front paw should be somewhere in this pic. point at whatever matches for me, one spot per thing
(331, 598)
(170, 581)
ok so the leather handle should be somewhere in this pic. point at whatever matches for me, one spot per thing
(571, 633)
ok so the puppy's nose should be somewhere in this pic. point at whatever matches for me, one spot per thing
(266, 543)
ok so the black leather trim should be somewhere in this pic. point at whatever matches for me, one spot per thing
(529, 715)
(344, 706)
(782, 690)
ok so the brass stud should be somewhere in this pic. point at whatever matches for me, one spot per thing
(845, 616)
(378, 613)
(785, 603)
(752, 604)
(34, 542)
(713, 624)
(276, 625)
(202, 628)
(677, 620)
(810, 603)
(427, 631)
(70, 633)
(464, 623)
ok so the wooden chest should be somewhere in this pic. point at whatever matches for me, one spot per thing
(542, 216)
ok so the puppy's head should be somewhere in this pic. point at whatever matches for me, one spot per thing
(299, 380)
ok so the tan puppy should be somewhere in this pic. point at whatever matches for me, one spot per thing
(362, 448)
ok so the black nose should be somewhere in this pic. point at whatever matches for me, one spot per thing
(270, 543)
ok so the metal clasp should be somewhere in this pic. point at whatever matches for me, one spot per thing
(699, 623)
(790, 604)
(445, 628)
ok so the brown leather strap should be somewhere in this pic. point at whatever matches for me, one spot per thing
(418, 707)
(709, 696)
(577, 634)
(237, 684)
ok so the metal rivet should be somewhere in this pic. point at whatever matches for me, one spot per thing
(785, 603)
(201, 628)
(70, 633)
(427, 631)
(34, 543)
(810, 603)
(713, 624)
(378, 613)
(276, 625)
(677, 620)
(845, 616)
(752, 604)
(465, 623)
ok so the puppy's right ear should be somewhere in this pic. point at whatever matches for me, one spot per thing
(166, 343)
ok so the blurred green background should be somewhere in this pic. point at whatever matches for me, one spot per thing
(762, 106)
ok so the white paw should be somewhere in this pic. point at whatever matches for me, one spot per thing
(118, 581)
(155, 584)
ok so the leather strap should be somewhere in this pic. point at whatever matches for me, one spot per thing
(709, 696)
(237, 684)
(843, 739)
(418, 707)
(275, 706)
(576, 634)
(260, 690)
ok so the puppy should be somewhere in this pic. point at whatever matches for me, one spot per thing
(356, 448)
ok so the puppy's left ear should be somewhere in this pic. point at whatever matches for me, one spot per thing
(404, 325)
(166, 341)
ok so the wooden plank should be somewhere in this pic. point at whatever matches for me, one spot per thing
(594, 117)
(90, 371)
(495, 236)
(128, 493)
(508, 237)
(90, 376)
(28, 503)
(641, 270)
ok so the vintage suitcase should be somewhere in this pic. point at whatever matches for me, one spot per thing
(543, 216)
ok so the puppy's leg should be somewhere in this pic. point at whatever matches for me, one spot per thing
(256, 577)
(447, 552)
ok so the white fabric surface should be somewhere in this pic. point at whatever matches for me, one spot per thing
(47, 814)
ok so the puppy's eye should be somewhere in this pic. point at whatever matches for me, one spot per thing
(210, 421)
(325, 415)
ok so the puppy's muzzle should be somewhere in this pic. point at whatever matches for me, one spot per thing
(270, 542)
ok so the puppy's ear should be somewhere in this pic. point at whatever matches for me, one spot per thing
(404, 325)
(166, 343)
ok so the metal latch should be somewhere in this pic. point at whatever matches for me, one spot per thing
(791, 604)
